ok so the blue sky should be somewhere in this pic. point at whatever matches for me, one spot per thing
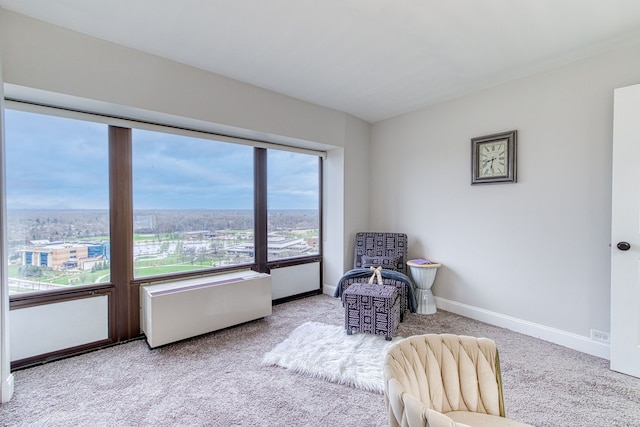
(59, 163)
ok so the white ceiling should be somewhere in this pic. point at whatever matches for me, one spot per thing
(374, 59)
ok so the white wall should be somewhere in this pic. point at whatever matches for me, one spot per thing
(46, 63)
(6, 378)
(294, 280)
(41, 56)
(62, 325)
(347, 197)
(357, 196)
(533, 255)
(49, 64)
(333, 218)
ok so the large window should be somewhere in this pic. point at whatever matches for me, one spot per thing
(99, 206)
(193, 204)
(293, 198)
(57, 202)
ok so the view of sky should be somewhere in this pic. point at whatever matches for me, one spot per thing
(55, 163)
(60, 163)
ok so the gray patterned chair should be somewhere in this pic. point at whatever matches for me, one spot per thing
(388, 250)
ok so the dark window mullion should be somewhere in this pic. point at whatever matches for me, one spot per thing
(320, 203)
(121, 204)
(260, 208)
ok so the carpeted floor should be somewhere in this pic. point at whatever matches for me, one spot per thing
(324, 351)
(218, 380)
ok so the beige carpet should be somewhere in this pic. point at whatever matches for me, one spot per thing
(218, 380)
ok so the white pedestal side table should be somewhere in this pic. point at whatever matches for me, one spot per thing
(424, 273)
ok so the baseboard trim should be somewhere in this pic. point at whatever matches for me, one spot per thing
(329, 289)
(556, 336)
(566, 339)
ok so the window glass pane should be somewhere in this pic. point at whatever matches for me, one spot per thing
(57, 202)
(193, 204)
(293, 197)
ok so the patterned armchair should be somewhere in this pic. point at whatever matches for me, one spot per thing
(388, 250)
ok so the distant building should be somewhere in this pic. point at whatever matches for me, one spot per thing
(202, 234)
(65, 255)
(277, 247)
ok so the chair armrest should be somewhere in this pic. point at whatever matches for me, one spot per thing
(415, 412)
(393, 398)
(437, 419)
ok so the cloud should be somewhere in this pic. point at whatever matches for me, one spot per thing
(172, 171)
(55, 162)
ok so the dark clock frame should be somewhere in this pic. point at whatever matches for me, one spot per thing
(510, 173)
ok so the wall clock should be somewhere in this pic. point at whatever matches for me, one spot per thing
(493, 158)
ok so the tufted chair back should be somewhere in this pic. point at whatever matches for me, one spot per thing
(442, 373)
(381, 245)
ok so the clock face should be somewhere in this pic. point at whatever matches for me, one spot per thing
(492, 159)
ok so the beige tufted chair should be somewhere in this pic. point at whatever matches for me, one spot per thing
(444, 381)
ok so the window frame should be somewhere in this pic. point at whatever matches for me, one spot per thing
(53, 295)
(123, 289)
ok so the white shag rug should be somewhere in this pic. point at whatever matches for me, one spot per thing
(326, 351)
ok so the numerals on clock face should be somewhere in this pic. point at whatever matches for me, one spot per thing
(493, 159)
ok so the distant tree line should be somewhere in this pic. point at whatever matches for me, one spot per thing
(25, 226)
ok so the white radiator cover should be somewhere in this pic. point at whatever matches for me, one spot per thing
(176, 310)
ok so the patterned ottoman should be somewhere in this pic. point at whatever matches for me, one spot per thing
(371, 308)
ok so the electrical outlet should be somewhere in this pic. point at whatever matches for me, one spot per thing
(600, 336)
